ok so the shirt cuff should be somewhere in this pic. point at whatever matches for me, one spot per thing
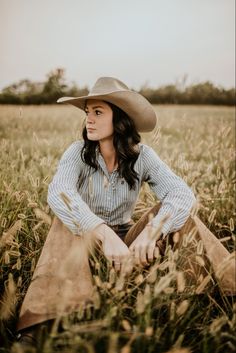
(88, 220)
(163, 222)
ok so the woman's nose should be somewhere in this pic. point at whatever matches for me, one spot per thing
(90, 119)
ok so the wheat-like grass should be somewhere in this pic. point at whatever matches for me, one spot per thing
(149, 308)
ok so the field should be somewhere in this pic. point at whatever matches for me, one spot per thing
(198, 143)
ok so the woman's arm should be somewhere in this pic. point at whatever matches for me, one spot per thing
(177, 199)
(63, 197)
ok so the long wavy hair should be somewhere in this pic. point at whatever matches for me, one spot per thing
(125, 141)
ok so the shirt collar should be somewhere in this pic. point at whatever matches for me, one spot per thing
(102, 163)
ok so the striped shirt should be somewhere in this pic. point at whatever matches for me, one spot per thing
(83, 198)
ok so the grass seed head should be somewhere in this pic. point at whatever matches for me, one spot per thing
(9, 301)
(183, 306)
(140, 306)
(180, 281)
(126, 325)
(40, 214)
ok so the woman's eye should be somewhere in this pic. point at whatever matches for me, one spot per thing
(97, 112)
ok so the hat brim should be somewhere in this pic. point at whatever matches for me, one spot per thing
(138, 108)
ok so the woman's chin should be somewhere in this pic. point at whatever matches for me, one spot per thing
(92, 138)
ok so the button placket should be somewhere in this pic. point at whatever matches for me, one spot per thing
(109, 183)
(111, 189)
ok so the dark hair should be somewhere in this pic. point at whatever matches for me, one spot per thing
(126, 138)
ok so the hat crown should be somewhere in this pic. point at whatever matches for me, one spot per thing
(107, 85)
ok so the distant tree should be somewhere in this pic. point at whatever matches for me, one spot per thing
(202, 93)
(17, 92)
(27, 92)
(75, 91)
(55, 86)
(207, 93)
(165, 94)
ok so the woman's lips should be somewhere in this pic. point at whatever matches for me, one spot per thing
(89, 129)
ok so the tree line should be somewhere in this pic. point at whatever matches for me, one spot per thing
(28, 92)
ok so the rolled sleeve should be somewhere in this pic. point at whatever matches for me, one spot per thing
(63, 197)
(177, 199)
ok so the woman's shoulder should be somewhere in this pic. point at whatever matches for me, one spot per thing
(145, 150)
(75, 146)
(149, 156)
(73, 150)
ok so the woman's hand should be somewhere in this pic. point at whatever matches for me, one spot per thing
(114, 249)
(143, 247)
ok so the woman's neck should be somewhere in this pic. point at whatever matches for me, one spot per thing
(108, 153)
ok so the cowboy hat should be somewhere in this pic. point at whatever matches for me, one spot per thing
(112, 90)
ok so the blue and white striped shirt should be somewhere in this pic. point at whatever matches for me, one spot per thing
(83, 198)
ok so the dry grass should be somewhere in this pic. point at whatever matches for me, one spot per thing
(151, 311)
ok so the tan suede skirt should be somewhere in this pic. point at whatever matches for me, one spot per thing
(62, 279)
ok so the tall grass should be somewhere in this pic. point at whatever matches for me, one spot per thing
(151, 310)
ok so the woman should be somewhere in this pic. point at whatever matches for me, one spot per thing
(93, 195)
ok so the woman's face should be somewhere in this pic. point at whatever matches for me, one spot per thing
(99, 121)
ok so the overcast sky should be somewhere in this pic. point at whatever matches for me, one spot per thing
(138, 41)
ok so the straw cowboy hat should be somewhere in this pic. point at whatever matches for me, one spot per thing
(112, 90)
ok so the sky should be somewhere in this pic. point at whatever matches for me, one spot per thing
(141, 42)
